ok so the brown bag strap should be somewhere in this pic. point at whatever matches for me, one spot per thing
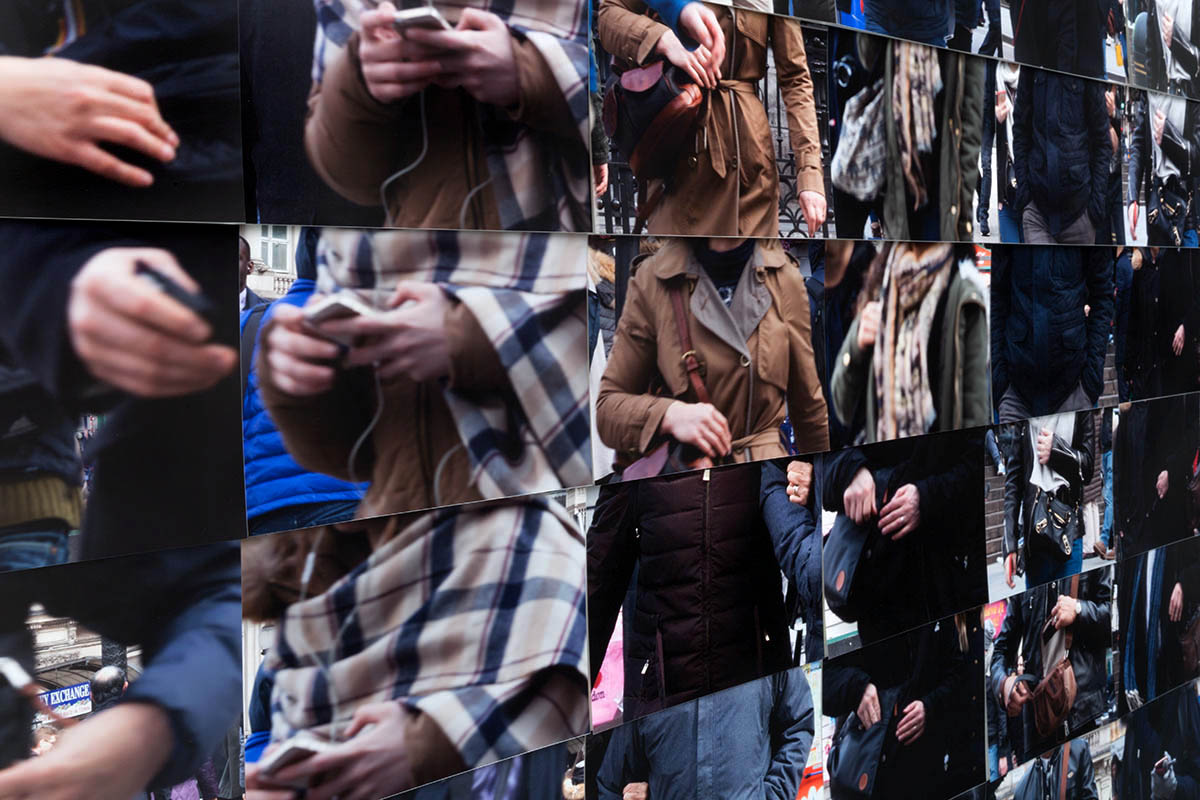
(690, 362)
(1062, 771)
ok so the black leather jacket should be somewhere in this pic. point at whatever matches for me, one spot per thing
(1073, 460)
(1092, 638)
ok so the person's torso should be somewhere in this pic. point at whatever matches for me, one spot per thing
(1175, 109)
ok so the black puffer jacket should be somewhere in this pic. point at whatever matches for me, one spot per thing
(189, 53)
(1043, 344)
(1080, 778)
(1073, 460)
(1091, 639)
(707, 609)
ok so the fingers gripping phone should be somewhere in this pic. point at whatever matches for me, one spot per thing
(423, 17)
(195, 302)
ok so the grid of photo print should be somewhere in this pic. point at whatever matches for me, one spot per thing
(610, 399)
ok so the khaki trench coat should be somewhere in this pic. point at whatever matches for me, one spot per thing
(728, 185)
(757, 356)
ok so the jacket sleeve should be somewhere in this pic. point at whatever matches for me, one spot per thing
(843, 684)
(626, 32)
(627, 416)
(805, 397)
(950, 486)
(1138, 153)
(474, 364)
(1099, 148)
(973, 75)
(976, 380)
(1099, 274)
(851, 372)
(1093, 627)
(1014, 490)
(319, 431)
(1074, 460)
(1000, 291)
(1085, 774)
(623, 762)
(611, 557)
(1023, 134)
(793, 530)
(952, 674)
(837, 471)
(541, 103)
(792, 728)
(796, 85)
(184, 608)
(350, 137)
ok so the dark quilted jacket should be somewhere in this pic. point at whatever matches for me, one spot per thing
(705, 610)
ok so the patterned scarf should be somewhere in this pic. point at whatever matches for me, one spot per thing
(536, 186)
(916, 81)
(528, 294)
(472, 615)
(911, 291)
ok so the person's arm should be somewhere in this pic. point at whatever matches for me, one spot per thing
(842, 685)
(546, 70)
(1004, 654)
(1000, 298)
(1014, 491)
(805, 397)
(1093, 625)
(354, 141)
(1138, 153)
(974, 73)
(953, 484)
(626, 32)
(792, 727)
(1075, 460)
(474, 363)
(1099, 148)
(837, 471)
(627, 417)
(792, 527)
(623, 762)
(1023, 131)
(976, 380)
(952, 675)
(851, 372)
(611, 557)
(1098, 271)
(796, 85)
(1085, 774)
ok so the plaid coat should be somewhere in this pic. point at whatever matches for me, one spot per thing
(469, 165)
(472, 615)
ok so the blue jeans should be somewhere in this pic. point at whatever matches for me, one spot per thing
(1010, 225)
(993, 756)
(1043, 569)
(32, 548)
(1191, 238)
(303, 516)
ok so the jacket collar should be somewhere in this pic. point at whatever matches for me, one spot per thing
(675, 258)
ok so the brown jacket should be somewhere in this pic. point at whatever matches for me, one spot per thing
(414, 436)
(729, 184)
(757, 356)
(355, 142)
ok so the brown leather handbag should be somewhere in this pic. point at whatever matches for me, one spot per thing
(650, 113)
(1055, 694)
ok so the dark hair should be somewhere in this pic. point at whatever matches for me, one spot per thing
(243, 241)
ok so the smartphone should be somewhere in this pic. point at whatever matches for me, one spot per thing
(195, 302)
(342, 305)
(422, 17)
(302, 746)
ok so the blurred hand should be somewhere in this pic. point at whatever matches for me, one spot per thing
(1016, 695)
(636, 791)
(812, 205)
(1175, 607)
(409, 340)
(912, 723)
(368, 764)
(702, 25)
(477, 56)
(62, 110)
(1136, 256)
(1178, 342)
(868, 324)
(1003, 766)
(1003, 106)
(901, 515)
(1167, 26)
(296, 354)
(1045, 442)
(859, 497)
(1160, 124)
(799, 476)
(868, 706)
(1163, 484)
(394, 67)
(1063, 615)
(1010, 569)
(1110, 102)
(130, 334)
(700, 425)
(696, 64)
(111, 755)
(600, 174)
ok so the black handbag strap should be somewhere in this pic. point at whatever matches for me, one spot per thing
(249, 338)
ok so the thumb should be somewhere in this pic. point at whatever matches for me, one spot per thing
(474, 19)
(364, 716)
(411, 290)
